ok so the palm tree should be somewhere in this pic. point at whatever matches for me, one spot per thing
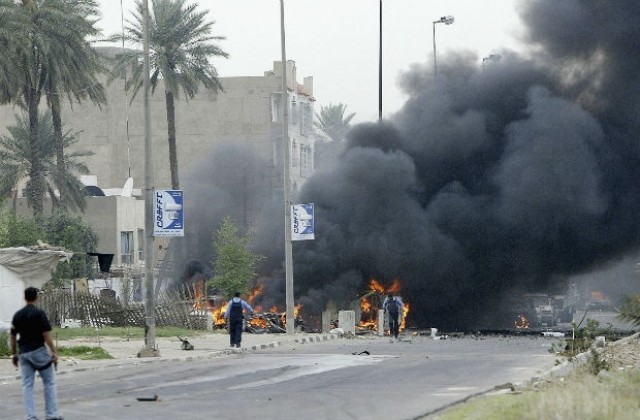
(181, 45)
(10, 24)
(72, 69)
(333, 122)
(21, 69)
(630, 309)
(48, 46)
(16, 160)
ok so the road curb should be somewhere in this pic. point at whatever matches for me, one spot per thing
(561, 370)
(568, 366)
(119, 363)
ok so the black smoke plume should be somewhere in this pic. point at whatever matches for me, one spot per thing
(487, 182)
(492, 181)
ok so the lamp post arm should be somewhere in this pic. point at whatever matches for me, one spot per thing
(435, 65)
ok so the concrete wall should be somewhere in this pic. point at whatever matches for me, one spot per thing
(11, 296)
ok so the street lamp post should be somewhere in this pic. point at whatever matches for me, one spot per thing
(447, 20)
(149, 349)
(380, 69)
(288, 251)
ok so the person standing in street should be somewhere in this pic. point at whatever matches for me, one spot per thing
(235, 315)
(31, 330)
(393, 307)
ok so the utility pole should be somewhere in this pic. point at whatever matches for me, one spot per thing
(380, 70)
(149, 349)
(287, 185)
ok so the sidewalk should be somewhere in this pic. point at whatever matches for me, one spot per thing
(125, 352)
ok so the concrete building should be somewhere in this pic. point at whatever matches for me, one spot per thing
(118, 221)
(248, 111)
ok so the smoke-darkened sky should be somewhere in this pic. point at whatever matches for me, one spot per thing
(511, 177)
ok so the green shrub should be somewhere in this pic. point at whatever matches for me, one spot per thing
(596, 363)
(5, 349)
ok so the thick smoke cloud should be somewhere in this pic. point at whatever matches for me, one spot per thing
(488, 182)
(231, 182)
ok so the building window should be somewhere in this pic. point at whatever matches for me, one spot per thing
(293, 118)
(140, 244)
(305, 160)
(126, 247)
(294, 154)
(306, 119)
(276, 107)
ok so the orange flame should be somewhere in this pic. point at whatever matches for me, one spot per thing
(198, 292)
(296, 311)
(365, 305)
(405, 311)
(395, 287)
(258, 322)
(257, 291)
(522, 322)
(218, 316)
(369, 314)
(375, 286)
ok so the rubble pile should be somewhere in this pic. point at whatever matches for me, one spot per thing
(623, 354)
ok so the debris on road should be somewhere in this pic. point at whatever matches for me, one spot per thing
(154, 398)
(186, 345)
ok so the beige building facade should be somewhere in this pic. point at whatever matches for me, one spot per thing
(247, 112)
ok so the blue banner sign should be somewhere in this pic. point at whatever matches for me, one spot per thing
(302, 224)
(169, 213)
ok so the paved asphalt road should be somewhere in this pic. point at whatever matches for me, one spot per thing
(334, 380)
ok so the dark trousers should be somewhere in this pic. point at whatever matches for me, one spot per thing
(394, 327)
(235, 331)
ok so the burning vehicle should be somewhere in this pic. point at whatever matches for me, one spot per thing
(545, 310)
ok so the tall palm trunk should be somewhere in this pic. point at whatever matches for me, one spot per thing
(171, 129)
(54, 102)
(32, 95)
(35, 188)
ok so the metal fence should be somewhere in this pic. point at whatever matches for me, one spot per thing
(177, 307)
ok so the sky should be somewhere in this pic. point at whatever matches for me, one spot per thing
(337, 41)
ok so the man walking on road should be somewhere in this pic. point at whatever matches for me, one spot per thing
(235, 315)
(393, 308)
(31, 327)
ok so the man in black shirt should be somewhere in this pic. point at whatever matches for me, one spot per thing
(31, 327)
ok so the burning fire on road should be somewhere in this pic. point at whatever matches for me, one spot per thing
(273, 320)
(372, 301)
